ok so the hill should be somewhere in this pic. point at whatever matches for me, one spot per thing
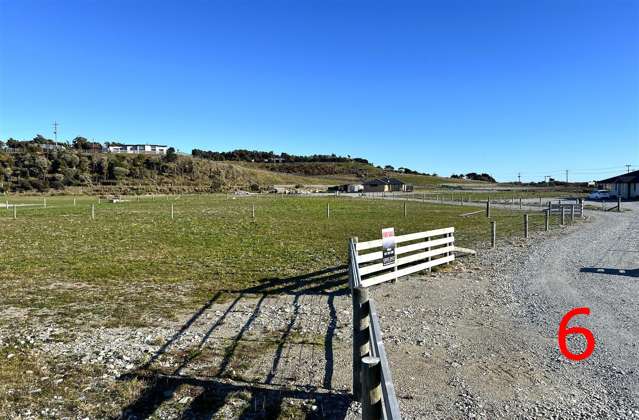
(44, 166)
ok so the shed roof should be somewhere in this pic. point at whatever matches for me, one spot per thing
(624, 178)
(384, 181)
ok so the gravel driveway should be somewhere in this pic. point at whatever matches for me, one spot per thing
(481, 342)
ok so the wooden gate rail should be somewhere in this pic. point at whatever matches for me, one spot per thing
(576, 208)
(438, 248)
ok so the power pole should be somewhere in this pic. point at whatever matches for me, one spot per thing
(55, 131)
(566, 176)
(519, 177)
(628, 168)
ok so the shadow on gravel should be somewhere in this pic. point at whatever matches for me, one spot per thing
(262, 399)
(612, 271)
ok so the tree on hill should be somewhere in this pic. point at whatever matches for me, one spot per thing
(480, 177)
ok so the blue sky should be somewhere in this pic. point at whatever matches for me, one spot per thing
(439, 86)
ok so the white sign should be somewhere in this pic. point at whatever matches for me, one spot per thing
(388, 246)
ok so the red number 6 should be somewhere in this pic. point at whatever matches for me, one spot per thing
(564, 332)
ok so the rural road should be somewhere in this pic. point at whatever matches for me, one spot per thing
(481, 341)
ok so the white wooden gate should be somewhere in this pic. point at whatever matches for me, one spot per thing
(420, 251)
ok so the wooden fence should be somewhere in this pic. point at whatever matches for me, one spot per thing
(576, 208)
(422, 250)
(372, 380)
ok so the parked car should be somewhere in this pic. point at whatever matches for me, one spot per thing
(601, 195)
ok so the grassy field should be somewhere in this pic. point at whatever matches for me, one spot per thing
(134, 265)
(212, 244)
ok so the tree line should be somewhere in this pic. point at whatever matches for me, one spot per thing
(474, 177)
(243, 155)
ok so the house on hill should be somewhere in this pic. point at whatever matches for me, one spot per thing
(386, 185)
(148, 149)
(625, 186)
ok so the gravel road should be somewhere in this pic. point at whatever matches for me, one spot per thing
(481, 341)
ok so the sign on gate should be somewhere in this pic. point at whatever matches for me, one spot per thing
(388, 246)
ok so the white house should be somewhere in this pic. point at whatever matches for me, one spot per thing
(148, 149)
(624, 186)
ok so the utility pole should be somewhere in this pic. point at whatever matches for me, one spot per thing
(628, 168)
(55, 131)
(566, 176)
(519, 177)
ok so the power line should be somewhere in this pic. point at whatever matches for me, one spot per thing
(579, 171)
(55, 131)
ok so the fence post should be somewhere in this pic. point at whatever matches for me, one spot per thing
(519, 203)
(581, 207)
(540, 205)
(172, 215)
(461, 200)
(493, 233)
(488, 207)
(253, 211)
(546, 219)
(328, 210)
(572, 214)
(526, 225)
(92, 211)
(619, 203)
(44, 202)
(361, 345)
(404, 208)
(372, 383)
(15, 211)
(355, 307)
(563, 215)
(73, 201)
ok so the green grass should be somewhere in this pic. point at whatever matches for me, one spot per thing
(133, 263)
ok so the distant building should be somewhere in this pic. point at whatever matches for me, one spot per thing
(52, 146)
(386, 185)
(147, 149)
(351, 188)
(354, 188)
(624, 186)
